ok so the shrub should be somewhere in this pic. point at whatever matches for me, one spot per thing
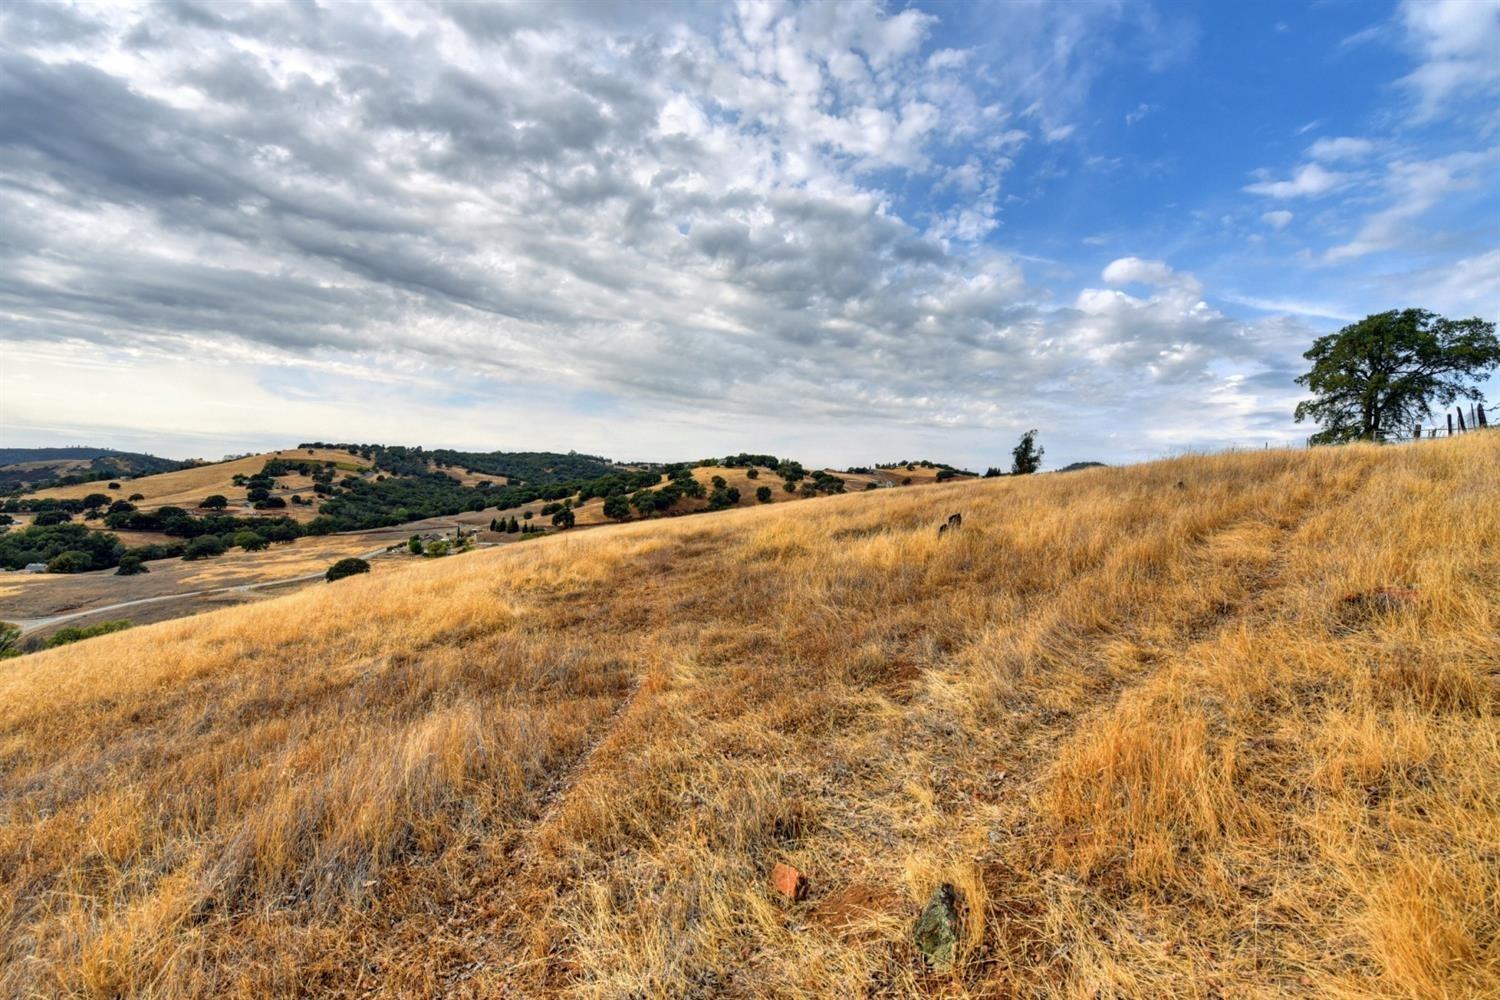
(95, 500)
(438, 549)
(763, 494)
(47, 518)
(249, 540)
(617, 507)
(258, 493)
(134, 497)
(270, 503)
(414, 543)
(10, 640)
(71, 561)
(215, 502)
(564, 518)
(114, 486)
(203, 546)
(74, 633)
(346, 567)
(131, 565)
(752, 472)
(789, 486)
(720, 482)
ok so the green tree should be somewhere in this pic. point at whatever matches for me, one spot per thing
(1376, 378)
(513, 526)
(414, 543)
(763, 494)
(346, 567)
(752, 473)
(1026, 457)
(617, 507)
(215, 502)
(564, 518)
(131, 565)
(72, 561)
(95, 500)
(249, 540)
(203, 546)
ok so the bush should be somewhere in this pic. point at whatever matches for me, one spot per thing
(131, 565)
(134, 497)
(346, 567)
(789, 486)
(258, 493)
(215, 502)
(249, 541)
(270, 503)
(203, 546)
(72, 561)
(73, 633)
(47, 518)
(752, 472)
(10, 640)
(414, 545)
(763, 494)
(564, 518)
(114, 486)
(617, 507)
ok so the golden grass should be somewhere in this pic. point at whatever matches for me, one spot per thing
(1138, 727)
(187, 487)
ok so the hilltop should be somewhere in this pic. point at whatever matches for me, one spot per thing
(1209, 726)
(37, 468)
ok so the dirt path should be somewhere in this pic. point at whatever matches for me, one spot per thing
(33, 624)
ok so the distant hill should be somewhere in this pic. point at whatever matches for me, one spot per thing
(531, 468)
(39, 468)
(1075, 466)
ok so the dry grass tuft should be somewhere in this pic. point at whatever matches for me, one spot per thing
(1143, 731)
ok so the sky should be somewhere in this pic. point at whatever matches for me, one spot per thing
(845, 232)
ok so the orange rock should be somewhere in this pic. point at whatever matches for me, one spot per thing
(788, 881)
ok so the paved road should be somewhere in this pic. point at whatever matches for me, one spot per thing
(32, 624)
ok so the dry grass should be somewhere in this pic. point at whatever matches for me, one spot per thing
(187, 487)
(1139, 728)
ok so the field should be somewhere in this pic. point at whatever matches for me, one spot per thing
(186, 488)
(1215, 726)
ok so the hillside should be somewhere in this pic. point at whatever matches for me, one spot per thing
(1215, 726)
(37, 468)
(187, 487)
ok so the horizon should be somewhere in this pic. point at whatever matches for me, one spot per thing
(845, 233)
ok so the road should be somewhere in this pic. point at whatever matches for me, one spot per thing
(32, 624)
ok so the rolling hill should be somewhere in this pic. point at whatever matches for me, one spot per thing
(1214, 726)
(38, 468)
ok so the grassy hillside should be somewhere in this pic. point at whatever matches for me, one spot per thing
(1218, 726)
(34, 468)
(187, 487)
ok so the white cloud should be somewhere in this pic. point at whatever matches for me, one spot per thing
(1278, 219)
(1310, 181)
(1412, 188)
(1341, 148)
(1459, 44)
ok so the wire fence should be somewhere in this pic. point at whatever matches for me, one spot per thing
(1456, 423)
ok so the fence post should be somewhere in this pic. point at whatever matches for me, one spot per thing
(1416, 435)
(1450, 423)
(1461, 427)
(1482, 421)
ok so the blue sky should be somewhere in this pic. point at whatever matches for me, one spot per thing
(846, 232)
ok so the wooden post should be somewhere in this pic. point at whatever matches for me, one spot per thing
(1482, 421)
(1461, 427)
(1416, 435)
(1450, 424)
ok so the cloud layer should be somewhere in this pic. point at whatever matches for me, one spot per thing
(681, 215)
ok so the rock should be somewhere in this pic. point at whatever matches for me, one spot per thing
(936, 932)
(788, 881)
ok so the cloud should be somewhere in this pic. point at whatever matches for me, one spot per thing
(682, 211)
(1278, 219)
(1310, 181)
(1412, 188)
(1341, 148)
(1457, 42)
(1140, 112)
